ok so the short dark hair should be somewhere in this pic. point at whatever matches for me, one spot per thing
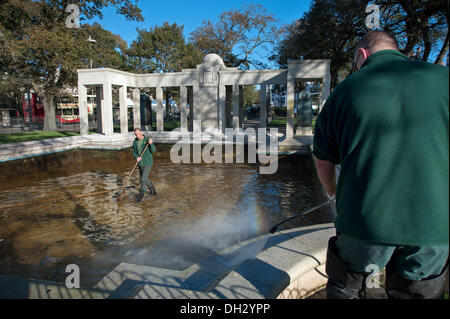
(376, 39)
(137, 129)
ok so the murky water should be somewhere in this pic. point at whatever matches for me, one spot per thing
(199, 209)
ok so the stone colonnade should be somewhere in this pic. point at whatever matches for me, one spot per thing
(213, 92)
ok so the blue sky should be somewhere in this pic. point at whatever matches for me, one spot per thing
(191, 13)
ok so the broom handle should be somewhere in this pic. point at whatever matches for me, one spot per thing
(126, 182)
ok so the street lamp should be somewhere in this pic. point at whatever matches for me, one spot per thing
(90, 40)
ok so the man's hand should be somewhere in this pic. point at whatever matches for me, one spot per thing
(150, 141)
(139, 159)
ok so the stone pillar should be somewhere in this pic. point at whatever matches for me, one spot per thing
(183, 108)
(123, 109)
(196, 103)
(107, 110)
(326, 87)
(236, 106)
(159, 109)
(83, 109)
(241, 106)
(99, 102)
(137, 108)
(290, 100)
(222, 108)
(263, 106)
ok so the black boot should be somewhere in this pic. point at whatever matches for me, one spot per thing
(152, 190)
(343, 282)
(141, 196)
(398, 287)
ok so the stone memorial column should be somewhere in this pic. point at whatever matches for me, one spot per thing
(137, 108)
(107, 110)
(290, 100)
(159, 109)
(222, 95)
(183, 108)
(263, 106)
(236, 107)
(123, 109)
(241, 106)
(83, 109)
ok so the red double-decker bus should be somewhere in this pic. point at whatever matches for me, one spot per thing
(32, 108)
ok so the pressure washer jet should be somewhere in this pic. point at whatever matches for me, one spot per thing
(252, 250)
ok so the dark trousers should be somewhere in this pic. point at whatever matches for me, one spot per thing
(145, 181)
(412, 272)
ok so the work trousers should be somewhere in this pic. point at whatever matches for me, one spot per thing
(412, 272)
(144, 172)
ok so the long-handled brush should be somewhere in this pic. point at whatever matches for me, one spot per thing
(121, 194)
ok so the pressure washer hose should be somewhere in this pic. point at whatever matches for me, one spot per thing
(303, 213)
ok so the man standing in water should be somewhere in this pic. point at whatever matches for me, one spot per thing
(145, 161)
(387, 125)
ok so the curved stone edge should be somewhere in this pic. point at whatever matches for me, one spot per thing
(290, 266)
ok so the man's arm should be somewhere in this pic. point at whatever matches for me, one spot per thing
(327, 175)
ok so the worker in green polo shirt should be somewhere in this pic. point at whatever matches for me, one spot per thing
(145, 161)
(387, 125)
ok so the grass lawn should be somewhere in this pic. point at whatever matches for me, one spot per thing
(32, 136)
(281, 121)
(168, 126)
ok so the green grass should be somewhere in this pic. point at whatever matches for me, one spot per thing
(168, 126)
(33, 136)
(281, 121)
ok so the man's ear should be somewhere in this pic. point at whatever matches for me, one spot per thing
(365, 53)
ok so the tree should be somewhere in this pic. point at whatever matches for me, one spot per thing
(239, 36)
(251, 95)
(417, 25)
(330, 29)
(163, 49)
(44, 53)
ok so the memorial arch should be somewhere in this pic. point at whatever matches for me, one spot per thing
(206, 89)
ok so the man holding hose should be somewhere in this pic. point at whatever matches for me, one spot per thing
(387, 125)
(145, 161)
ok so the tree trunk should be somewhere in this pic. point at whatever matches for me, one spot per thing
(49, 108)
(444, 49)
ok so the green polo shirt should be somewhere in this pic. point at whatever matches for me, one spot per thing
(388, 127)
(147, 157)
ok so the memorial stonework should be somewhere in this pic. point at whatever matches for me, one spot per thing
(205, 89)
